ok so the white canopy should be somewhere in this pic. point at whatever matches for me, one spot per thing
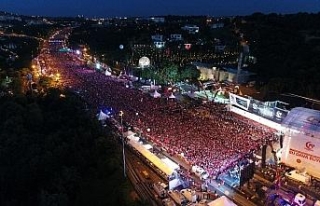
(107, 73)
(132, 137)
(222, 201)
(155, 94)
(102, 116)
(128, 133)
(170, 163)
(172, 96)
(303, 119)
(147, 146)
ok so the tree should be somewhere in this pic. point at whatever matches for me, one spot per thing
(52, 153)
(189, 72)
(172, 72)
(168, 72)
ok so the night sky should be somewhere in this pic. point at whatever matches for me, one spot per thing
(129, 8)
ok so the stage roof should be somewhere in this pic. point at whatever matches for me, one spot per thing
(222, 201)
(303, 119)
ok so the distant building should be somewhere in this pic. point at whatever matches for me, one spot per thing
(140, 46)
(192, 29)
(37, 21)
(219, 48)
(157, 37)
(158, 19)
(10, 46)
(176, 37)
(210, 72)
(217, 25)
(10, 18)
(206, 70)
(230, 75)
(159, 44)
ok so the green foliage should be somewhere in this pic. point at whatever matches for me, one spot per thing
(287, 49)
(172, 72)
(39, 31)
(190, 72)
(26, 49)
(105, 41)
(147, 73)
(52, 153)
(168, 72)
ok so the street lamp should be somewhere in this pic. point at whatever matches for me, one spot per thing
(123, 153)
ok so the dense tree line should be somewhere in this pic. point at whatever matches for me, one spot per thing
(53, 153)
(26, 49)
(287, 48)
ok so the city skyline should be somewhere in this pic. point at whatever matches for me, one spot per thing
(100, 8)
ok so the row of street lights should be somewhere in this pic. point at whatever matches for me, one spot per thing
(122, 136)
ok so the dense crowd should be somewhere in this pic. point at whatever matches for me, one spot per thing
(208, 136)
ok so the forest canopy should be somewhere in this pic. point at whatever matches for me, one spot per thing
(53, 153)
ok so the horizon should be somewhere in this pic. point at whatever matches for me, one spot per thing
(143, 8)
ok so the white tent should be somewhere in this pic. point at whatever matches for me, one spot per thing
(132, 136)
(148, 146)
(107, 73)
(102, 116)
(172, 96)
(155, 94)
(128, 133)
(222, 201)
(302, 119)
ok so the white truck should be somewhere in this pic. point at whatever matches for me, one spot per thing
(298, 176)
(200, 172)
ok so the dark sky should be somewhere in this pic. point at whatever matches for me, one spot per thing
(112, 8)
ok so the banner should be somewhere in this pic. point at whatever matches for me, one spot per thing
(302, 151)
(267, 110)
(280, 115)
(303, 119)
(239, 101)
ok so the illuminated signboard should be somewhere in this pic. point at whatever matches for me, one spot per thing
(239, 101)
(268, 110)
(302, 151)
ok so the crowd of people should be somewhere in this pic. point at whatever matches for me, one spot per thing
(208, 136)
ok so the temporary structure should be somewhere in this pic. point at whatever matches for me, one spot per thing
(222, 201)
(155, 94)
(107, 73)
(102, 116)
(172, 96)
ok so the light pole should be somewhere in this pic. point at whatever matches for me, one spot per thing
(123, 153)
(138, 124)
